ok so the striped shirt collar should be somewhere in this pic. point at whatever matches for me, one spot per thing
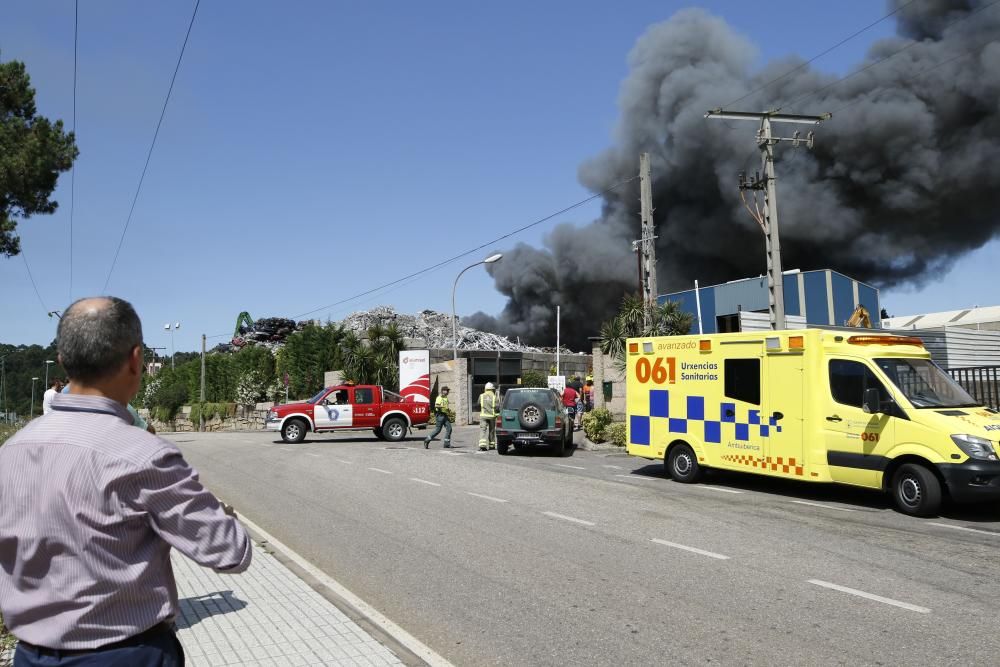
(82, 403)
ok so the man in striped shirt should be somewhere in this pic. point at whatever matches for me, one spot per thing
(90, 508)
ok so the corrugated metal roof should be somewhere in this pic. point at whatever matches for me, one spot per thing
(954, 347)
(947, 318)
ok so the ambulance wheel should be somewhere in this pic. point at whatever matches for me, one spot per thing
(294, 431)
(394, 429)
(916, 490)
(682, 464)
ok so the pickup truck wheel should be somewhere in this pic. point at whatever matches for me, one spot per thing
(682, 464)
(394, 429)
(916, 490)
(294, 431)
(378, 433)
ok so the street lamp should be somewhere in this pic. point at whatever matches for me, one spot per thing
(175, 327)
(454, 318)
(31, 412)
(48, 362)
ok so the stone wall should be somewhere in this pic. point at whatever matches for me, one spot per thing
(605, 371)
(444, 374)
(246, 419)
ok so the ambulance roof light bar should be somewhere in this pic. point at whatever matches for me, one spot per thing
(885, 340)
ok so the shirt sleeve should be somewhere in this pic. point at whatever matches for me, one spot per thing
(187, 516)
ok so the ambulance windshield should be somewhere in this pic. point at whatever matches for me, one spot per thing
(925, 384)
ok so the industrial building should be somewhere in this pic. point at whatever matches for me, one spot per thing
(812, 298)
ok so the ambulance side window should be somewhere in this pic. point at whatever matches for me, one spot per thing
(742, 379)
(848, 381)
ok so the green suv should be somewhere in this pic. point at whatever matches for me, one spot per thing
(533, 416)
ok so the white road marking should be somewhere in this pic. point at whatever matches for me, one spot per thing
(423, 481)
(350, 463)
(826, 507)
(716, 488)
(702, 552)
(968, 530)
(451, 453)
(479, 495)
(371, 613)
(871, 596)
(286, 449)
(312, 454)
(563, 465)
(613, 467)
(642, 477)
(384, 472)
(568, 518)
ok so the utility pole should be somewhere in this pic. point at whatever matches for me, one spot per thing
(766, 142)
(201, 425)
(3, 387)
(647, 240)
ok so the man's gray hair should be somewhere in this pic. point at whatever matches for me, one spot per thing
(96, 338)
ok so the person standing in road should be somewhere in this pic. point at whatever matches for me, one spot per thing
(569, 396)
(54, 388)
(90, 508)
(488, 409)
(588, 395)
(441, 418)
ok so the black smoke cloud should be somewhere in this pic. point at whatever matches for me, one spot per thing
(902, 181)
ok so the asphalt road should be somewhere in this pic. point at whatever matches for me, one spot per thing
(598, 559)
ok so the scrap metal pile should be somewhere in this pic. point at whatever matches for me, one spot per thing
(428, 328)
(431, 329)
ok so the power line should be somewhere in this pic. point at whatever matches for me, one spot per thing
(32, 278)
(471, 250)
(153, 144)
(72, 175)
(802, 98)
(819, 55)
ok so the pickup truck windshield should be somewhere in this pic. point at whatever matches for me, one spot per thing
(925, 385)
(515, 399)
(317, 397)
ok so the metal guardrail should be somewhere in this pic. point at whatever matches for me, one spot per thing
(983, 382)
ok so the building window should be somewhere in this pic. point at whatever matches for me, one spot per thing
(728, 323)
(742, 380)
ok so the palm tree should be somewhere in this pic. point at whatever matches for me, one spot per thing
(665, 319)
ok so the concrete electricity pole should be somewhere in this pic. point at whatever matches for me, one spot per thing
(766, 142)
(649, 291)
(201, 424)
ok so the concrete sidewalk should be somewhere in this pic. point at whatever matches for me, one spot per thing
(266, 616)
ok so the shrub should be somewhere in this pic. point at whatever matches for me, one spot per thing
(251, 388)
(533, 379)
(595, 422)
(616, 434)
(211, 410)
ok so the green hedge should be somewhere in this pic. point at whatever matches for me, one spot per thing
(595, 422)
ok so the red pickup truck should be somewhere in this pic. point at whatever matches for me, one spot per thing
(349, 407)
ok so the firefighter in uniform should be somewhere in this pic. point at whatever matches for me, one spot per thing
(441, 418)
(489, 408)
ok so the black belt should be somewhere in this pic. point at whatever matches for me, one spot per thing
(134, 640)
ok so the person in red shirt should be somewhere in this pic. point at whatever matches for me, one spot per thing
(569, 400)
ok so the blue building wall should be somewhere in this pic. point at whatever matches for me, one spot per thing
(819, 289)
(817, 311)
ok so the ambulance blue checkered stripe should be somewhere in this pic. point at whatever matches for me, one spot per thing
(640, 427)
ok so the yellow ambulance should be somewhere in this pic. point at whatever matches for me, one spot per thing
(866, 409)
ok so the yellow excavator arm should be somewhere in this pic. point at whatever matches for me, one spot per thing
(860, 318)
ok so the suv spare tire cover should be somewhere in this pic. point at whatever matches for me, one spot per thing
(532, 417)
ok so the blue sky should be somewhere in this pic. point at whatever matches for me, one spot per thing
(314, 150)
